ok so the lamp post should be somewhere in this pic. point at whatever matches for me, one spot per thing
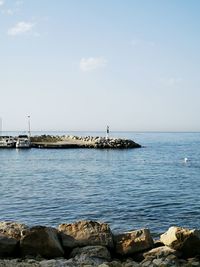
(29, 126)
(0, 126)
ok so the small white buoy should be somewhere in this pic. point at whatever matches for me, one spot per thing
(185, 160)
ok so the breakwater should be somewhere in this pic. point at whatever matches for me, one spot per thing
(91, 243)
(71, 141)
(67, 141)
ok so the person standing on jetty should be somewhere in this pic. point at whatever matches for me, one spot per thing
(107, 132)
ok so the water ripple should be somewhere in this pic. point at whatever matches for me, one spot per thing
(149, 187)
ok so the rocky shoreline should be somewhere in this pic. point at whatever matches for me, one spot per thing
(71, 141)
(90, 243)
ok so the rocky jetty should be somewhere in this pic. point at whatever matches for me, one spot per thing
(90, 243)
(71, 141)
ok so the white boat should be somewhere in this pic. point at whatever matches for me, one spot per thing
(23, 141)
(7, 142)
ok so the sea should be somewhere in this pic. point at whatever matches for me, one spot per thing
(151, 187)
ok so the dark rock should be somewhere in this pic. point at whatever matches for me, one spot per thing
(43, 241)
(160, 252)
(91, 255)
(8, 246)
(21, 263)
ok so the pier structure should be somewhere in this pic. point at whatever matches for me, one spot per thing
(68, 141)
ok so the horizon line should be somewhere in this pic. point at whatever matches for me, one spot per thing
(114, 131)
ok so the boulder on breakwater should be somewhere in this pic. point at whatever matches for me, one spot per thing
(89, 243)
(71, 141)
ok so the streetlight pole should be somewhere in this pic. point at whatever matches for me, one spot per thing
(0, 126)
(29, 126)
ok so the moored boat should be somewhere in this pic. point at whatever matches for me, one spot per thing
(7, 142)
(23, 141)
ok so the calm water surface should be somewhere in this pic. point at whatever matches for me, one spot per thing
(148, 187)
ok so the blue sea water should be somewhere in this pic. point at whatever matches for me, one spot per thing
(129, 189)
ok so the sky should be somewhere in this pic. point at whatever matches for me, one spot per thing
(80, 65)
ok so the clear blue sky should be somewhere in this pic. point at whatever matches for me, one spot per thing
(83, 64)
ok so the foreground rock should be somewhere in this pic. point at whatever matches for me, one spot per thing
(10, 235)
(8, 246)
(90, 244)
(93, 255)
(86, 233)
(169, 261)
(160, 252)
(184, 240)
(19, 263)
(133, 242)
(43, 241)
(161, 256)
(13, 229)
(160, 262)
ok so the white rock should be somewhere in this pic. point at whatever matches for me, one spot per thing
(185, 240)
